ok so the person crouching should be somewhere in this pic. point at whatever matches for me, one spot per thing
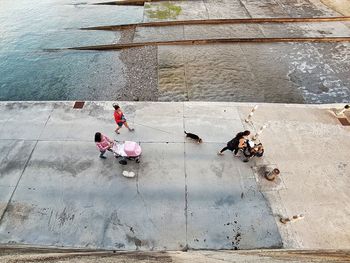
(252, 150)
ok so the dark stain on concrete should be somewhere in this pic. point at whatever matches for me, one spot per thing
(217, 170)
(70, 166)
(114, 219)
(9, 166)
(14, 156)
(19, 212)
(228, 200)
(16, 106)
(24, 106)
(129, 109)
(119, 245)
(65, 216)
(99, 112)
(135, 240)
(150, 244)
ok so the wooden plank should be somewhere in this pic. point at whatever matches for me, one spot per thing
(344, 121)
(213, 41)
(136, 3)
(223, 21)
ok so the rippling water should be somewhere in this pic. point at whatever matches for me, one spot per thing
(31, 69)
(28, 28)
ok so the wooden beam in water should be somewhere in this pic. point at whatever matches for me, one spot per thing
(137, 3)
(214, 41)
(130, 2)
(223, 21)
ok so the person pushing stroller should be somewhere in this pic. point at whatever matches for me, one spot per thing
(103, 143)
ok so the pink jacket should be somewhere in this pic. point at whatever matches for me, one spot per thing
(104, 144)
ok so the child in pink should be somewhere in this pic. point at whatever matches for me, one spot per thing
(103, 143)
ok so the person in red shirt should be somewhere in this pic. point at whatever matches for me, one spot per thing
(120, 119)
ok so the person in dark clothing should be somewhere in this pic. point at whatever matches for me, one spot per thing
(237, 143)
(253, 150)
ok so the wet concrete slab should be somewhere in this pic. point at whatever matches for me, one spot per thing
(264, 8)
(276, 72)
(218, 70)
(174, 10)
(21, 122)
(225, 9)
(306, 8)
(225, 195)
(145, 34)
(67, 196)
(242, 30)
(222, 31)
(211, 9)
(340, 6)
(279, 72)
(13, 159)
(90, 204)
(314, 184)
(183, 194)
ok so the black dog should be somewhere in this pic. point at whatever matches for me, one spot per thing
(193, 136)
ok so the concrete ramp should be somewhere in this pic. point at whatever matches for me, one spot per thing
(57, 192)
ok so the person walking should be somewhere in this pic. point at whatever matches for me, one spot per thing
(120, 119)
(237, 143)
(103, 143)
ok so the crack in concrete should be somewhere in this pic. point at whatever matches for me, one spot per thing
(186, 190)
(144, 202)
(245, 8)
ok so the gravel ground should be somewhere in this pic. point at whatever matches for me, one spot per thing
(140, 72)
(76, 258)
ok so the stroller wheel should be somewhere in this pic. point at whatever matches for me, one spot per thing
(137, 160)
(123, 162)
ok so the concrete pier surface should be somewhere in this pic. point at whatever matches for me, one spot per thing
(55, 191)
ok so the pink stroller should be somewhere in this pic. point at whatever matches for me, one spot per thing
(127, 151)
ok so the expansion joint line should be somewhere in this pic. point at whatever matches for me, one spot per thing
(24, 168)
(16, 186)
(185, 169)
(245, 8)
